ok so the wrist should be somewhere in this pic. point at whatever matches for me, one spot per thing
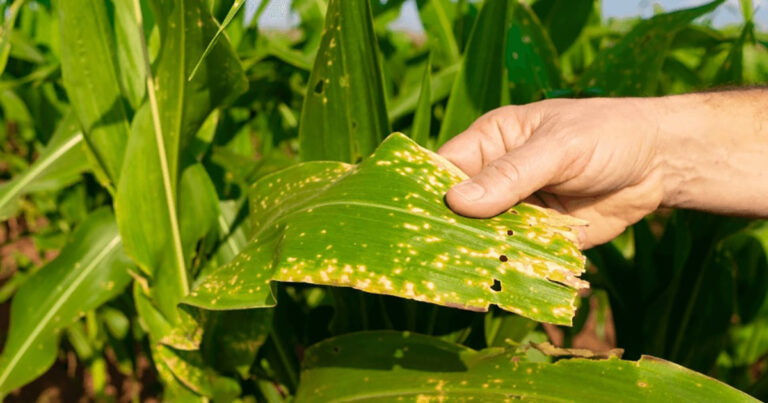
(711, 151)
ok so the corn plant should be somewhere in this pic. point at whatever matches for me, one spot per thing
(240, 209)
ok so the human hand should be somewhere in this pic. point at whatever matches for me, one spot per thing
(597, 159)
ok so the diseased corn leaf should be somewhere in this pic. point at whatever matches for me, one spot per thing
(422, 119)
(441, 83)
(90, 270)
(6, 30)
(92, 82)
(185, 334)
(632, 66)
(480, 82)
(564, 19)
(191, 371)
(335, 224)
(412, 367)
(149, 211)
(437, 16)
(344, 116)
(531, 59)
(58, 165)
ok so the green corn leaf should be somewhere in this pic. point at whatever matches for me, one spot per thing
(59, 164)
(437, 16)
(344, 116)
(423, 116)
(531, 59)
(147, 201)
(441, 83)
(227, 20)
(421, 368)
(5, 32)
(479, 84)
(732, 70)
(632, 66)
(130, 63)
(564, 19)
(233, 338)
(400, 239)
(93, 83)
(90, 270)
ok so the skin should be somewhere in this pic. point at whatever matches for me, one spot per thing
(611, 161)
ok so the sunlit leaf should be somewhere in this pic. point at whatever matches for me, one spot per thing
(344, 116)
(399, 239)
(421, 368)
(93, 84)
(59, 164)
(90, 270)
(479, 84)
(632, 66)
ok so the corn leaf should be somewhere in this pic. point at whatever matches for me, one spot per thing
(441, 83)
(437, 17)
(90, 270)
(411, 367)
(59, 164)
(632, 66)
(344, 116)
(93, 84)
(6, 31)
(480, 82)
(531, 59)
(564, 19)
(147, 202)
(398, 240)
(422, 119)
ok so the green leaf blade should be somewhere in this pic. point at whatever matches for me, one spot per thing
(90, 270)
(478, 86)
(92, 82)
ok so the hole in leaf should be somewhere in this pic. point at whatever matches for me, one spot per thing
(496, 285)
(503, 258)
(319, 87)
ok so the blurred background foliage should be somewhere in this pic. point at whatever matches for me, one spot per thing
(685, 286)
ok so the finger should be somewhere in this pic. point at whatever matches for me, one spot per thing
(487, 139)
(509, 179)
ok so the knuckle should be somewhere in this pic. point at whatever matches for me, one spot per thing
(505, 169)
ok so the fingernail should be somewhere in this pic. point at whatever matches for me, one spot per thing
(469, 190)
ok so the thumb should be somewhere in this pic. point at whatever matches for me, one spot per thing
(507, 180)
